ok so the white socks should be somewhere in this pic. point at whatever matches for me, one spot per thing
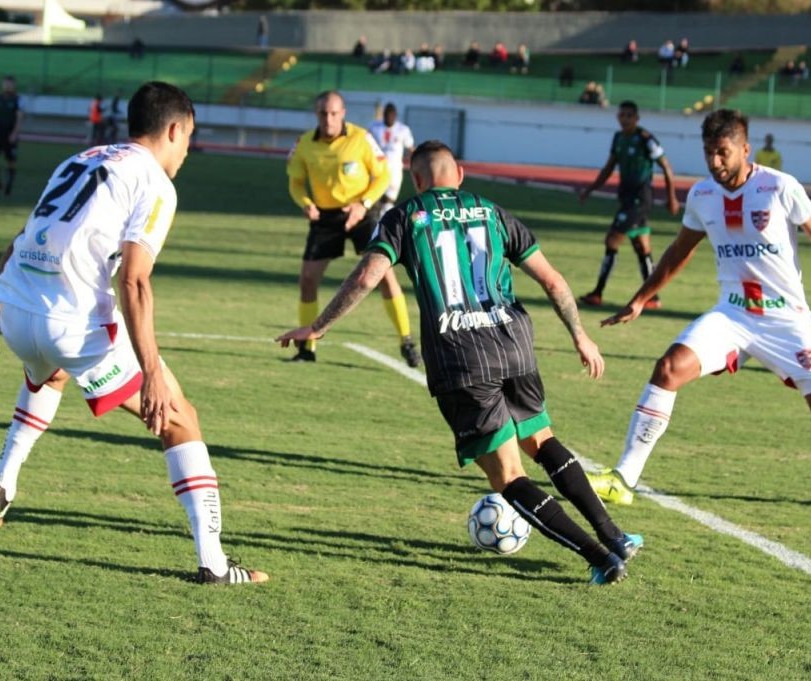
(648, 424)
(32, 416)
(195, 485)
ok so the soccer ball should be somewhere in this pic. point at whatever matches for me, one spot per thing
(495, 526)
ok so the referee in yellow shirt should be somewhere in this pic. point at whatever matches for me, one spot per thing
(769, 156)
(337, 173)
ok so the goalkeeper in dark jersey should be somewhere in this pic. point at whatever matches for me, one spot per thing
(634, 150)
(477, 344)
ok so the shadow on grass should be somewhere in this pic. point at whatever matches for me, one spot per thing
(290, 459)
(394, 551)
(401, 551)
(63, 560)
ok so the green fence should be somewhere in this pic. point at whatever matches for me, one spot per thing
(257, 78)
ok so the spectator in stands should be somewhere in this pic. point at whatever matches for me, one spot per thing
(593, 94)
(408, 62)
(789, 69)
(681, 55)
(801, 72)
(769, 156)
(666, 53)
(96, 119)
(137, 49)
(262, 31)
(566, 75)
(425, 59)
(520, 61)
(381, 62)
(499, 55)
(359, 50)
(472, 56)
(737, 66)
(439, 56)
(631, 52)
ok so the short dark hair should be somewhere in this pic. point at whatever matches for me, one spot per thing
(629, 104)
(428, 148)
(154, 106)
(390, 108)
(724, 123)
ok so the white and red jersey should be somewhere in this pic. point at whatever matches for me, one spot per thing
(64, 260)
(393, 140)
(753, 232)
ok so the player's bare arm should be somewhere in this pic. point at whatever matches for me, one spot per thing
(670, 186)
(673, 261)
(806, 228)
(137, 306)
(359, 284)
(565, 306)
(601, 179)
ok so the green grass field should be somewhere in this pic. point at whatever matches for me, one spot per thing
(339, 479)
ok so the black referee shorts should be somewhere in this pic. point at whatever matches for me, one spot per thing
(328, 235)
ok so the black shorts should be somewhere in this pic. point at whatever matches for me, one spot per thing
(484, 416)
(7, 147)
(633, 212)
(328, 235)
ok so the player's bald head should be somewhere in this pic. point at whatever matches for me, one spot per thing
(329, 97)
(433, 165)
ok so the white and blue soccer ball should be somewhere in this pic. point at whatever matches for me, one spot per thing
(495, 526)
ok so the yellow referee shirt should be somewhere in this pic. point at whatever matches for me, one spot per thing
(350, 168)
(770, 159)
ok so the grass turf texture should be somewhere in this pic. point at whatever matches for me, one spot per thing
(339, 479)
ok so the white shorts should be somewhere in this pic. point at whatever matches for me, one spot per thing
(726, 336)
(100, 358)
(395, 183)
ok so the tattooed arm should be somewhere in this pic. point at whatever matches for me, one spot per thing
(359, 284)
(560, 295)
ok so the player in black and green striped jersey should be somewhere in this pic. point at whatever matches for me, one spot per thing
(477, 344)
(635, 151)
(11, 117)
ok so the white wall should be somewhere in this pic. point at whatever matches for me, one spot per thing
(575, 135)
(579, 136)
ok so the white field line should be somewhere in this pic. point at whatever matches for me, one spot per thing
(788, 557)
(785, 555)
(390, 362)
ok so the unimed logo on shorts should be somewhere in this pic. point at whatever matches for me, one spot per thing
(98, 383)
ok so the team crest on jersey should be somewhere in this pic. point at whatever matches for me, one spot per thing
(420, 219)
(351, 167)
(804, 358)
(760, 219)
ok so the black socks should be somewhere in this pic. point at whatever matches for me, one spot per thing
(567, 475)
(545, 514)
